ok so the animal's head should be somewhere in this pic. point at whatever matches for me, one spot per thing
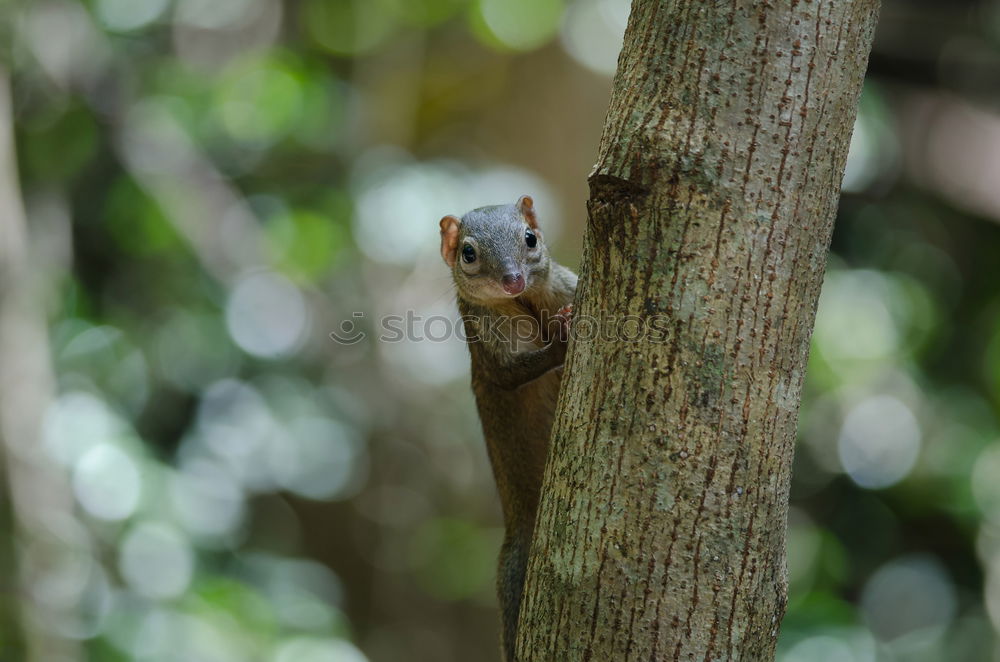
(495, 252)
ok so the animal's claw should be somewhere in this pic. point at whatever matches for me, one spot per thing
(565, 317)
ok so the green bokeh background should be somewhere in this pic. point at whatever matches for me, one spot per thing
(213, 187)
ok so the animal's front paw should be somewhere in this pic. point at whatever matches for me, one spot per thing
(564, 317)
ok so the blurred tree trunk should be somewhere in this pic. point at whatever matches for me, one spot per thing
(661, 534)
(38, 519)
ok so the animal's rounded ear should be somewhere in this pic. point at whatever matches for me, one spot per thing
(449, 239)
(527, 208)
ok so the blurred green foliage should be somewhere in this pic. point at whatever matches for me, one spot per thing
(214, 186)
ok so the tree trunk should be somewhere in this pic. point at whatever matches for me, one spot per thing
(35, 492)
(661, 534)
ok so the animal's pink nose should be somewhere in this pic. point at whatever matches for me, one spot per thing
(513, 283)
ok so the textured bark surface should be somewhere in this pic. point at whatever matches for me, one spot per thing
(661, 534)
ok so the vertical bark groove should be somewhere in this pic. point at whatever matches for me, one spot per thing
(661, 530)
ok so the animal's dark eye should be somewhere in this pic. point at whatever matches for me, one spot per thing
(468, 254)
(530, 239)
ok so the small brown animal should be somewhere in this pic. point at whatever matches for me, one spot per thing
(516, 304)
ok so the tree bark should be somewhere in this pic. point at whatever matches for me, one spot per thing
(661, 534)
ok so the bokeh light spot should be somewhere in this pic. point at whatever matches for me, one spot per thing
(302, 243)
(207, 500)
(305, 595)
(75, 423)
(908, 595)
(156, 561)
(315, 649)
(823, 648)
(107, 483)
(126, 15)
(520, 25)
(432, 348)
(347, 27)
(853, 319)
(317, 460)
(236, 427)
(266, 315)
(260, 101)
(879, 442)
(393, 205)
(593, 31)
